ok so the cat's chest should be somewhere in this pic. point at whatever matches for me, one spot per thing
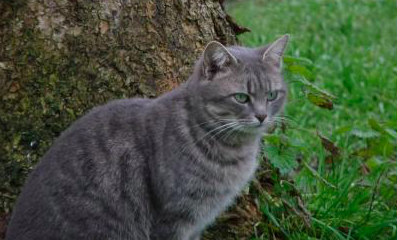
(231, 180)
(235, 168)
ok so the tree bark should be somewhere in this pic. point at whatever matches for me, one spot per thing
(59, 58)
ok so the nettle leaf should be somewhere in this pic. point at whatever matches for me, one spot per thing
(277, 139)
(316, 95)
(375, 125)
(300, 70)
(283, 159)
(373, 163)
(382, 146)
(288, 60)
(343, 129)
(381, 128)
(364, 134)
(365, 153)
(379, 146)
(313, 88)
(272, 139)
(321, 101)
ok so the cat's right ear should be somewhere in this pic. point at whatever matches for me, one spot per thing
(216, 58)
(274, 53)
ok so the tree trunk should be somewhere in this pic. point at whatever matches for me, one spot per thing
(60, 58)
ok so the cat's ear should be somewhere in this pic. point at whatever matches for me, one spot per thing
(217, 57)
(274, 53)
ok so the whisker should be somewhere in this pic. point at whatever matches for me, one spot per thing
(223, 130)
(230, 133)
(207, 134)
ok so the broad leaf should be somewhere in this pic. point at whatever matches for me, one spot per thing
(288, 60)
(300, 70)
(284, 160)
(365, 134)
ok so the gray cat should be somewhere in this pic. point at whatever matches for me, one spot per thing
(165, 168)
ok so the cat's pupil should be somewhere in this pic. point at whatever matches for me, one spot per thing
(272, 95)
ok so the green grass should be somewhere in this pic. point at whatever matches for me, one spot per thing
(353, 47)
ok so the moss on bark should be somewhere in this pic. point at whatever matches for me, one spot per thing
(60, 58)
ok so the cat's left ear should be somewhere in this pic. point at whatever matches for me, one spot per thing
(274, 53)
(217, 57)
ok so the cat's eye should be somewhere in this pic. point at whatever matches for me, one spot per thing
(241, 97)
(272, 95)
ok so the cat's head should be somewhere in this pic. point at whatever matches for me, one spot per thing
(241, 88)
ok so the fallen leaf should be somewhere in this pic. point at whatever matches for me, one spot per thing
(365, 169)
(103, 27)
(329, 145)
(14, 87)
(320, 100)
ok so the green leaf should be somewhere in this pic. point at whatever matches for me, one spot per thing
(364, 153)
(391, 133)
(364, 134)
(316, 95)
(300, 70)
(284, 159)
(343, 129)
(288, 60)
(373, 162)
(272, 139)
(381, 146)
(375, 125)
(314, 89)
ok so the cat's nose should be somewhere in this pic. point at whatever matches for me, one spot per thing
(261, 117)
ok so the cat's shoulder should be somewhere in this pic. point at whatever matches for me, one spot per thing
(120, 110)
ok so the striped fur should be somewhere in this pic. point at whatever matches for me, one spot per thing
(156, 169)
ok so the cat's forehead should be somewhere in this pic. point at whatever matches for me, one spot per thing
(257, 79)
(255, 74)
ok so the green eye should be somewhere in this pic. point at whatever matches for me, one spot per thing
(271, 96)
(241, 97)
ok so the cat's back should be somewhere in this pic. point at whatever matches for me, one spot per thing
(101, 132)
(80, 172)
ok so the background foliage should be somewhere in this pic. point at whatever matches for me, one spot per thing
(336, 148)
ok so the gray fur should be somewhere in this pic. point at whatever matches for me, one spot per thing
(165, 168)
